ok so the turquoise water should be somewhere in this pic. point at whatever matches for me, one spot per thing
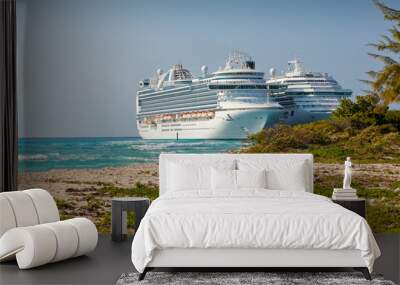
(70, 153)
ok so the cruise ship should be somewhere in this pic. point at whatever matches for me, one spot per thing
(306, 96)
(230, 103)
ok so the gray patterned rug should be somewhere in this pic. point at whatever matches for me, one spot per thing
(243, 278)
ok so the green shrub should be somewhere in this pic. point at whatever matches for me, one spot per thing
(375, 193)
(103, 223)
(365, 130)
(93, 203)
(383, 205)
(139, 190)
(383, 217)
(392, 117)
(65, 205)
(331, 153)
(365, 111)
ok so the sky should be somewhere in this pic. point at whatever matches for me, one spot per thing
(79, 61)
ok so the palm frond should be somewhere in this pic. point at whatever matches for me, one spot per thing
(386, 82)
(372, 73)
(387, 39)
(395, 33)
(384, 59)
(389, 13)
(365, 91)
(392, 46)
(366, 81)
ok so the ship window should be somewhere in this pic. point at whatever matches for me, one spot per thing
(277, 86)
(226, 86)
(241, 73)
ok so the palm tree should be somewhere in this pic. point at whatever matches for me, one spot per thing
(386, 82)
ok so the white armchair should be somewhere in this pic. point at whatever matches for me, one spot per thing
(31, 230)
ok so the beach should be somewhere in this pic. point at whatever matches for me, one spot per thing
(58, 181)
(83, 174)
(88, 192)
(61, 182)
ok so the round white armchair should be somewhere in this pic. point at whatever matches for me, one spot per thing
(31, 230)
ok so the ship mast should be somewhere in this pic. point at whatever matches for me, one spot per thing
(239, 60)
(295, 67)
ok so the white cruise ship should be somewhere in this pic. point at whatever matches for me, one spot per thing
(306, 96)
(230, 103)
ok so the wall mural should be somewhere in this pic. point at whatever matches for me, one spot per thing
(104, 89)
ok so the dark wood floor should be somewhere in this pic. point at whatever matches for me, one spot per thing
(110, 260)
(103, 266)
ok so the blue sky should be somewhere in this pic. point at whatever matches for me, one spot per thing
(80, 61)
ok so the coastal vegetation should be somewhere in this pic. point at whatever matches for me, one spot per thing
(366, 130)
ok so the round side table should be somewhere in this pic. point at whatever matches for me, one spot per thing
(119, 208)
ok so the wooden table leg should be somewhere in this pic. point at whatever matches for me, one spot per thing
(116, 221)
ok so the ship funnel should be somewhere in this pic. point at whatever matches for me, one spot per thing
(250, 64)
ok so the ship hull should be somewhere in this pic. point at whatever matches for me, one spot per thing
(301, 116)
(228, 124)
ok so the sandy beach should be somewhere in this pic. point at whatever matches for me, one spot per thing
(57, 181)
(79, 191)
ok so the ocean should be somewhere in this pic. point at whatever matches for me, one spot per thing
(41, 154)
